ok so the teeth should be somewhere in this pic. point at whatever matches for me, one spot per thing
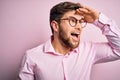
(77, 33)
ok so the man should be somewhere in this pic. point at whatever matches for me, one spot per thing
(64, 57)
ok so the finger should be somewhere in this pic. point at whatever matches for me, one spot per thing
(83, 10)
(79, 12)
(89, 9)
(86, 7)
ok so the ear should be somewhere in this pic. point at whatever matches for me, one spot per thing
(55, 26)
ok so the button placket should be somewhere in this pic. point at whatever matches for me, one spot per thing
(65, 69)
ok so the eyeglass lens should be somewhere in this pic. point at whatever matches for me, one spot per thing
(73, 22)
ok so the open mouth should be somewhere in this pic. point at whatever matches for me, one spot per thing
(75, 36)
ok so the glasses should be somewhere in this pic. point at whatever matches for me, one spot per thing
(73, 21)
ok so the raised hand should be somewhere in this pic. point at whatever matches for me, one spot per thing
(90, 15)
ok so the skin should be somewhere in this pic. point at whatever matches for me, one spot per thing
(90, 14)
(63, 42)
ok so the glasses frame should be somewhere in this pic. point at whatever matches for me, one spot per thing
(76, 21)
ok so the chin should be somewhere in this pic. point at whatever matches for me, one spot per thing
(75, 45)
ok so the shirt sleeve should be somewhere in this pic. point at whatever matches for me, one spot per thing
(110, 50)
(27, 69)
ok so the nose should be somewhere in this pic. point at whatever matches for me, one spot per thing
(78, 26)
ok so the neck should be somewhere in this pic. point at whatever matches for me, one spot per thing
(59, 48)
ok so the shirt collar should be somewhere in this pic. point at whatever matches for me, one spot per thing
(48, 48)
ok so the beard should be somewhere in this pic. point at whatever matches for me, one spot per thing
(65, 39)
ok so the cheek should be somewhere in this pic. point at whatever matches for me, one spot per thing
(64, 32)
(65, 29)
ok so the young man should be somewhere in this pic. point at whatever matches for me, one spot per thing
(63, 56)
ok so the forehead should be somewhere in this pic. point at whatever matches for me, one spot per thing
(73, 14)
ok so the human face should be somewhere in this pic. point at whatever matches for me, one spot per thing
(70, 36)
(73, 21)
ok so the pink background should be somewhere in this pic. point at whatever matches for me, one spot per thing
(24, 24)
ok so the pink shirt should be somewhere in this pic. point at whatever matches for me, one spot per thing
(43, 63)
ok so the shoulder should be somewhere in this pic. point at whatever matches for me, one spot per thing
(34, 52)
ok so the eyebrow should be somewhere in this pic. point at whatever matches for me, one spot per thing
(76, 18)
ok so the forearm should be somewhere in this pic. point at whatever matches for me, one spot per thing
(111, 31)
